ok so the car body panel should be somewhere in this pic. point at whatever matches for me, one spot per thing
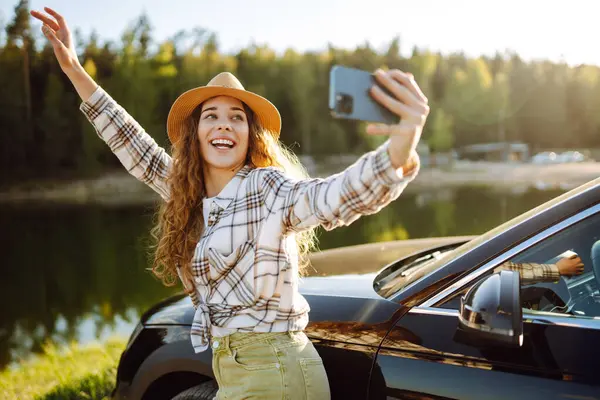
(549, 365)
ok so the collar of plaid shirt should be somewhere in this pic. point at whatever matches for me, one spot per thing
(221, 201)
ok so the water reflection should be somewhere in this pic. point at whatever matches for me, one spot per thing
(79, 272)
(72, 273)
(448, 212)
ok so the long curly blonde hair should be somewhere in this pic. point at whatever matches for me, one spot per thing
(179, 221)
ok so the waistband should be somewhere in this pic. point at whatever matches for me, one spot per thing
(240, 339)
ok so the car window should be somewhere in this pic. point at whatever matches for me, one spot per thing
(560, 274)
(396, 287)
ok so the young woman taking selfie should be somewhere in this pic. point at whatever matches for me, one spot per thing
(237, 217)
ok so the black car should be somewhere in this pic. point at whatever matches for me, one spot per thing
(446, 322)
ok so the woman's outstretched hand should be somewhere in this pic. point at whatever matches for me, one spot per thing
(410, 104)
(57, 32)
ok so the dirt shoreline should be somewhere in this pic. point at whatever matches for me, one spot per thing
(121, 188)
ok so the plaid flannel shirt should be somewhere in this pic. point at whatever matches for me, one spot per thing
(532, 273)
(245, 265)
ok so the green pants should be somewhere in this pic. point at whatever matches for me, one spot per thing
(268, 366)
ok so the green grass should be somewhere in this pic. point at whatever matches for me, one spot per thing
(72, 372)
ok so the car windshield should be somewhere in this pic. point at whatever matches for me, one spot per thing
(409, 269)
(388, 286)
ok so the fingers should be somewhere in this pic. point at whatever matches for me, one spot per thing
(411, 84)
(392, 104)
(402, 128)
(46, 20)
(397, 84)
(573, 259)
(408, 80)
(59, 18)
(403, 86)
(406, 99)
(378, 129)
(51, 35)
(406, 113)
(578, 266)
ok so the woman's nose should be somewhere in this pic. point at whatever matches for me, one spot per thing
(224, 127)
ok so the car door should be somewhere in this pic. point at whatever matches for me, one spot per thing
(560, 354)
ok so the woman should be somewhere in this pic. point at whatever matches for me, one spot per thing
(235, 223)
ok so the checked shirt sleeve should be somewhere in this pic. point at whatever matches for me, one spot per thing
(362, 189)
(532, 273)
(137, 151)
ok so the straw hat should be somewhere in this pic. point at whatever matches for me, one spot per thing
(224, 84)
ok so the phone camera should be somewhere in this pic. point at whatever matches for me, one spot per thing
(344, 103)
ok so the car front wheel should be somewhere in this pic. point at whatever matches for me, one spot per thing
(206, 391)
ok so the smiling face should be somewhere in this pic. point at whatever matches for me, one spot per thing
(223, 133)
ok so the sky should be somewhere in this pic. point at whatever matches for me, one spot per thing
(551, 29)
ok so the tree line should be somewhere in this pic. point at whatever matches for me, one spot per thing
(473, 100)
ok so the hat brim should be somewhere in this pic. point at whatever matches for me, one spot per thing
(266, 113)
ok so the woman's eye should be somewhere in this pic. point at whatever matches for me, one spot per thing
(210, 116)
(238, 117)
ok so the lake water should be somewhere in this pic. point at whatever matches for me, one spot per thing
(78, 273)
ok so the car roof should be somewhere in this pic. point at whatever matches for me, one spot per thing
(475, 252)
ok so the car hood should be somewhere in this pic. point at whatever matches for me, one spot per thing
(351, 285)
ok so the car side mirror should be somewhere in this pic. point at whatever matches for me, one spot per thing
(490, 312)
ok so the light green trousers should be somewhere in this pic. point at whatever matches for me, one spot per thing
(268, 366)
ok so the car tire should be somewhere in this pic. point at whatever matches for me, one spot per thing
(206, 391)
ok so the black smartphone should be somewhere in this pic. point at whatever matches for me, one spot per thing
(349, 96)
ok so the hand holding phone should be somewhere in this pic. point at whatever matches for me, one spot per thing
(391, 98)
